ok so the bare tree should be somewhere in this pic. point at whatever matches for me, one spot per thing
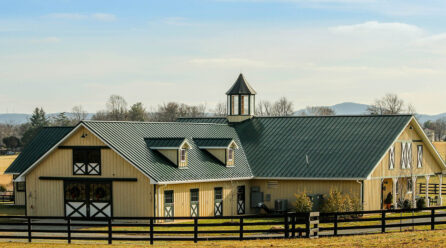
(390, 104)
(172, 110)
(117, 108)
(283, 107)
(317, 111)
(78, 113)
(264, 108)
(220, 109)
(438, 127)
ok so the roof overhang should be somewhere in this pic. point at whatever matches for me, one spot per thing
(231, 144)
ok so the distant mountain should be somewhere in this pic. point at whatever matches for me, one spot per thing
(351, 108)
(23, 118)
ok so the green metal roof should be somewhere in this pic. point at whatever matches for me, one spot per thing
(336, 146)
(206, 142)
(217, 120)
(164, 142)
(128, 139)
(45, 139)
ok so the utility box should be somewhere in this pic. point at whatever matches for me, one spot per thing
(317, 200)
(256, 197)
(281, 205)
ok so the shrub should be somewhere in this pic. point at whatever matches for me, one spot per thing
(389, 199)
(303, 203)
(421, 203)
(404, 204)
(338, 202)
(2, 188)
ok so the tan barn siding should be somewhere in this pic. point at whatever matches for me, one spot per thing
(206, 197)
(430, 165)
(286, 189)
(19, 197)
(45, 197)
(372, 194)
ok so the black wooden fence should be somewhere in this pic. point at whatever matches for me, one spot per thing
(7, 196)
(434, 188)
(288, 225)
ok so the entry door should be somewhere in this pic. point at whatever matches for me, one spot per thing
(218, 201)
(241, 199)
(194, 202)
(168, 203)
(88, 200)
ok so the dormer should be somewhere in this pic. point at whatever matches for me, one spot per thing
(223, 149)
(241, 100)
(174, 149)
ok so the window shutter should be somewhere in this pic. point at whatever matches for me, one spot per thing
(420, 156)
(403, 155)
(409, 155)
(392, 157)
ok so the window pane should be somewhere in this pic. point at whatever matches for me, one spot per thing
(100, 192)
(245, 106)
(75, 192)
(218, 193)
(230, 154)
(229, 105)
(183, 155)
(168, 196)
(252, 101)
(194, 195)
(235, 107)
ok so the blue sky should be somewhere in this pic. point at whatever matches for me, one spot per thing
(58, 54)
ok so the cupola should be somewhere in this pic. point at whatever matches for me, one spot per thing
(241, 100)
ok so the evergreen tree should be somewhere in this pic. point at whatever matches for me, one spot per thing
(37, 121)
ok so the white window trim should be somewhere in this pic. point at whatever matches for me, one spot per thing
(230, 158)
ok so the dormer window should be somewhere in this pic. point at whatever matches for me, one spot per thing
(223, 149)
(173, 149)
(183, 155)
(230, 154)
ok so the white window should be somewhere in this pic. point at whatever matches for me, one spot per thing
(419, 156)
(403, 155)
(230, 154)
(245, 105)
(228, 107)
(183, 155)
(235, 107)
(252, 105)
(392, 158)
(409, 155)
(409, 185)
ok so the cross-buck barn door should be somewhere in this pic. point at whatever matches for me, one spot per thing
(88, 200)
(241, 199)
(218, 201)
(168, 203)
(194, 202)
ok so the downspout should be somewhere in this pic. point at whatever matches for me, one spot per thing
(361, 192)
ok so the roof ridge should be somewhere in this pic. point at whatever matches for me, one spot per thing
(331, 116)
(157, 122)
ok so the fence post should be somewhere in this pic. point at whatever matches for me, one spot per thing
(432, 218)
(109, 231)
(335, 225)
(69, 230)
(151, 231)
(241, 228)
(383, 221)
(287, 234)
(195, 229)
(307, 225)
(293, 225)
(29, 229)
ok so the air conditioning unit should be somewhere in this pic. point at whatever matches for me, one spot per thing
(281, 205)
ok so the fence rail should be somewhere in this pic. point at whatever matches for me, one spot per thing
(7, 196)
(434, 188)
(194, 229)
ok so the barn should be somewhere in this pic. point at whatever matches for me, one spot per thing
(221, 166)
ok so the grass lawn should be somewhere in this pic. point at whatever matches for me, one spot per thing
(11, 210)
(406, 240)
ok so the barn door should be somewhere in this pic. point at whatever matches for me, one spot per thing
(241, 199)
(218, 201)
(168, 204)
(88, 200)
(194, 202)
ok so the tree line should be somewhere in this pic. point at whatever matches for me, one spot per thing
(117, 109)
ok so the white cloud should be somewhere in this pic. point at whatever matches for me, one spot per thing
(77, 16)
(231, 62)
(103, 17)
(374, 26)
